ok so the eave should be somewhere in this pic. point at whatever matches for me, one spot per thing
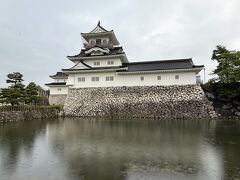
(122, 56)
(56, 84)
(196, 70)
(74, 71)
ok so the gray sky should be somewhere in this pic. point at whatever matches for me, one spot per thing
(36, 36)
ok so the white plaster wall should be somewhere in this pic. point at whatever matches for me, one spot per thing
(60, 80)
(131, 79)
(55, 91)
(103, 62)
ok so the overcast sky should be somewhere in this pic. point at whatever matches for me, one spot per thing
(36, 36)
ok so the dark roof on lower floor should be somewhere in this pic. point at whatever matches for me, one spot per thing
(148, 66)
(56, 84)
(59, 75)
(161, 65)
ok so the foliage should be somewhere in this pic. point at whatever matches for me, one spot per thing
(17, 94)
(32, 93)
(231, 90)
(228, 69)
(228, 72)
(14, 78)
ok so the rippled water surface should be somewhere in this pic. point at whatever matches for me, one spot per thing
(119, 149)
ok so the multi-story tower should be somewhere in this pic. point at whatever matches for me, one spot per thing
(103, 63)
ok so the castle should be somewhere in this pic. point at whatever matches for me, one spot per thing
(103, 83)
(103, 63)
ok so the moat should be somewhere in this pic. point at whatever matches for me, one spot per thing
(90, 149)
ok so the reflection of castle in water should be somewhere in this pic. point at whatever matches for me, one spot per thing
(134, 149)
(75, 148)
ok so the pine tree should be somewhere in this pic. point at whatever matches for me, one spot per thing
(15, 94)
(32, 94)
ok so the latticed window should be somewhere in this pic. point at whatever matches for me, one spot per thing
(97, 63)
(159, 78)
(109, 78)
(142, 78)
(81, 79)
(110, 62)
(95, 78)
(176, 76)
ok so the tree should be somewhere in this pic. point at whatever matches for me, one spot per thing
(14, 78)
(228, 69)
(32, 93)
(15, 94)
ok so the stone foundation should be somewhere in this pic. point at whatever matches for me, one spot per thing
(8, 116)
(57, 99)
(183, 102)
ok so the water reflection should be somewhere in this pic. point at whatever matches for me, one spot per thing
(80, 148)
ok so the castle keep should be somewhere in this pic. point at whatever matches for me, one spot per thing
(103, 82)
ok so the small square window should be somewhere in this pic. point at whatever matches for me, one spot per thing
(81, 79)
(96, 63)
(159, 78)
(109, 78)
(142, 78)
(110, 62)
(176, 76)
(95, 78)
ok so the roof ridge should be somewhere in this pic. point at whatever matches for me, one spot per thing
(165, 60)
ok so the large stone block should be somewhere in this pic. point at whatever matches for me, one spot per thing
(145, 102)
(57, 99)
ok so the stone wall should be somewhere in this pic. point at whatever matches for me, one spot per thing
(57, 99)
(143, 102)
(8, 116)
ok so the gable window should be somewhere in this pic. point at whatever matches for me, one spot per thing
(110, 62)
(98, 41)
(81, 79)
(109, 78)
(176, 77)
(59, 89)
(95, 78)
(96, 63)
(92, 42)
(159, 78)
(142, 78)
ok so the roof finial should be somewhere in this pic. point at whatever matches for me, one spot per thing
(98, 23)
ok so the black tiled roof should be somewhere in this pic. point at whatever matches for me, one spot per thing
(160, 65)
(59, 75)
(113, 51)
(56, 83)
(148, 66)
